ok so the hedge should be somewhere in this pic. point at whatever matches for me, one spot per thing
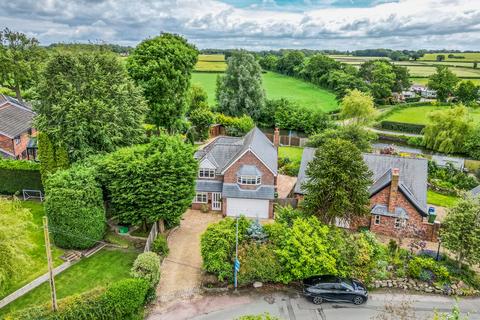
(122, 300)
(402, 126)
(16, 175)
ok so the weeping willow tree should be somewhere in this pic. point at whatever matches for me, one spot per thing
(448, 129)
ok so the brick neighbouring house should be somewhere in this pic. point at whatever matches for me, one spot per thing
(238, 176)
(17, 137)
(398, 196)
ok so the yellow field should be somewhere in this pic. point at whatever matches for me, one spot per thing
(211, 63)
(470, 56)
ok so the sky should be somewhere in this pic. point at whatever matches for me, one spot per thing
(253, 25)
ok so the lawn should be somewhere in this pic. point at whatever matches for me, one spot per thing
(37, 254)
(278, 86)
(293, 153)
(418, 115)
(438, 199)
(99, 270)
(468, 56)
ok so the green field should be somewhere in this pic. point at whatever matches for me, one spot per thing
(418, 115)
(36, 254)
(424, 81)
(471, 56)
(211, 63)
(99, 270)
(278, 86)
(438, 199)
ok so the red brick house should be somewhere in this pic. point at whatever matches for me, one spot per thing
(398, 196)
(237, 176)
(16, 133)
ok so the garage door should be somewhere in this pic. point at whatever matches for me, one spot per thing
(251, 208)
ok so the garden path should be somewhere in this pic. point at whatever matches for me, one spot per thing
(182, 269)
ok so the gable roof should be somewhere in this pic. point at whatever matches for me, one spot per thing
(224, 151)
(475, 191)
(15, 117)
(412, 181)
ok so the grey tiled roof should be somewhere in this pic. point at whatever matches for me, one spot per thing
(382, 210)
(208, 186)
(223, 151)
(248, 170)
(475, 191)
(15, 117)
(413, 175)
(232, 190)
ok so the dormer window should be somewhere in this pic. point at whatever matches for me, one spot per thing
(249, 180)
(206, 173)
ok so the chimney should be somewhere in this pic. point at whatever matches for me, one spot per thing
(392, 199)
(276, 137)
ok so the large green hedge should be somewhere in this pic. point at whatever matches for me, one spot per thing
(16, 175)
(74, 206)
(122, 300)
(402, 126)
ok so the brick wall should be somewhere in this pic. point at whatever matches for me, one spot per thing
(22, 146)
(249, 158)
(6, 144)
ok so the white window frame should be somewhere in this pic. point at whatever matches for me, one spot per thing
(399, 223)
(249, 180)
(206, 173)
(201, 197)
(377, 219)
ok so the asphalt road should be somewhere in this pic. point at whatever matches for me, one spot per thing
(291, 306)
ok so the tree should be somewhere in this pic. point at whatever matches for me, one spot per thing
(381, 77)
(358, 107)
(317, 67)
(461, 231)
(357, 135)
(448, 129)
(240, 90)
(15, 223)
(197, 99)
(444, 82)
(88, 104)
(440, 57)
(163, 66)
(338, 181)
(74, 206)
(268, 62)
(467, 92)
(291, 62)
(147, 183)
(20, 60)
(51, 157)
(402, 78)
(201, 120)
(472, 143)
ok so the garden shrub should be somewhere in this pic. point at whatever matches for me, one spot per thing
(218, 246)
(74, 206)
(286, 215)
(255, 232)
(125, 298)
(160, 245)
(419, 264)
(265, 316)
(16, 175)
(288, 167)
(294, 117)
(235, 126)
(449, 178)
(258, 263)
(147, 266)
(402, 126)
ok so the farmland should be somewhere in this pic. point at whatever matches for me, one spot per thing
(419, 115)
(301, 92)
(211, 63)
(470, 56)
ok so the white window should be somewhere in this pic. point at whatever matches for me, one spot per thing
(252, 180)
(206, 173)
(201, 197)
(376, 219)
(399, 223)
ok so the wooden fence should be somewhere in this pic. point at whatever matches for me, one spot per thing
(287, 202)
(293, 141)
(151, 237)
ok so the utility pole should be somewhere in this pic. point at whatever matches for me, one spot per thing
(50, 264)
(236, 265)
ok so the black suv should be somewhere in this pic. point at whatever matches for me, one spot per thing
(332, 288)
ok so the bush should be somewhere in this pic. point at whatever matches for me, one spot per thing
(122, 300)
(258, 263)
(16, 175)
(218, 246)
(449, 178)
(293, 117)
(235, 126)
(147, 267)
(288, 167)
(160, 245)
(418, 264)
(402, 126)
(265, 316)
(74, 206)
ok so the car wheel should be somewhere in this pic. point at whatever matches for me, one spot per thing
(317, 300)
(358, 300)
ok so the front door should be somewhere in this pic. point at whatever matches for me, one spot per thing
(216, 201)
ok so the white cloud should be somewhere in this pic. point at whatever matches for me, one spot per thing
(210, 23)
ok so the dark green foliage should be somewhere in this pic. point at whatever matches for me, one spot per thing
(122, 300)
(258, 263)
(444, 82)
(286, 215)
(201, 119)
(288, 167)
(160, 245)
(268, 62)
(51, 157)
(74, 206)
(88, 104)
(467, 92)
(337, 163)
(449, 178)
(402, 126)
(147, 267)
(218, 246)
(240, 90)
(197, 99)
(146, 183)
(16, 175)
(235, 126)
(291, 63)
(418, 266)
(163, 66)
(472, 144)
(357, 135)
(288, 115)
